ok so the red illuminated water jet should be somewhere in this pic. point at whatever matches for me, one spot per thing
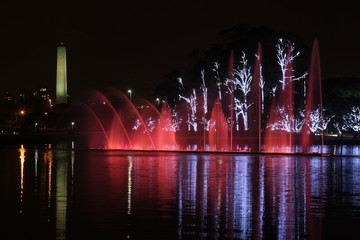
(219, 129)
(313, 98)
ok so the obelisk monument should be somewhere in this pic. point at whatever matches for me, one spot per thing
(61, 76)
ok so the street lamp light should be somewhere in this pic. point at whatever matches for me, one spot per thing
(157, 101)
(72, 125)
(129, 91)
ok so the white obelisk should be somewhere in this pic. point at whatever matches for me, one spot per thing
(61, 78)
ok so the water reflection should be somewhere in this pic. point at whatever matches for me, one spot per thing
(247, 198)
(343, 150)
(61, 195)
(129, 184)
(43, 196)
(22, 162)
(105, 194)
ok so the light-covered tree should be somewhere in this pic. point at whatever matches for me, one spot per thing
(241, 81)
(191, 120)
(318, 122)
(352, 120)
(286, 122)
(285, 57)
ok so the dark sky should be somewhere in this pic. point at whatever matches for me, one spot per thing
(134, 44)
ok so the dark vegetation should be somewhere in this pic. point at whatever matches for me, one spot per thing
(339, 94)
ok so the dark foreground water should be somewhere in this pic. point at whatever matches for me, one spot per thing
(52, 193)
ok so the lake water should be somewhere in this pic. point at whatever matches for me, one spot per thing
(54, 192)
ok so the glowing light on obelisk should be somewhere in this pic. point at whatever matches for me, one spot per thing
(61, 76)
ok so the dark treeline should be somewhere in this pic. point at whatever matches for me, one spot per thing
(238, 39)
(339, 94)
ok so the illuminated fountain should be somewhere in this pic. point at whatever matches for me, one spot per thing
(234, 120)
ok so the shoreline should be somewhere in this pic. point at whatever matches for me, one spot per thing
(55, 136)
(37, 138)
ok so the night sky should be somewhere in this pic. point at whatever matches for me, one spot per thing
(134, 44)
